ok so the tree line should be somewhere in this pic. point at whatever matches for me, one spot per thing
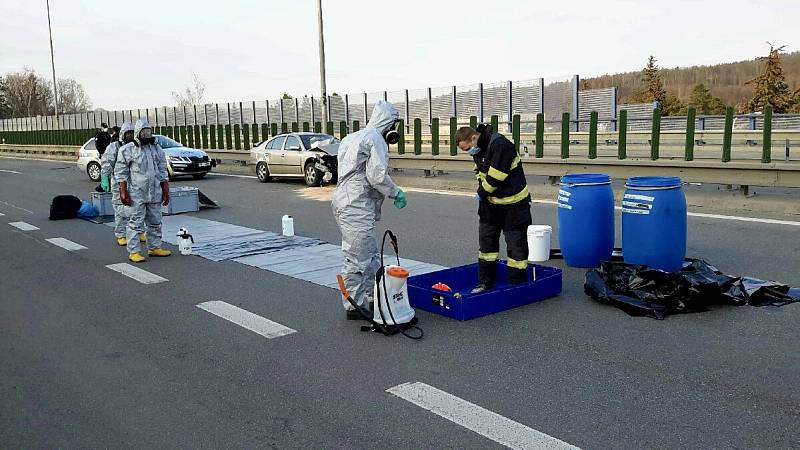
(28, 94)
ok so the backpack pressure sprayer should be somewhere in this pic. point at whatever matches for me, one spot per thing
(391, 298)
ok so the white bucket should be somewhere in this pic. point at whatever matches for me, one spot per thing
(539, 242)
(288, 226)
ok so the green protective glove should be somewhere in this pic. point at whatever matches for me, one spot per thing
(400, 201)
(105, 183)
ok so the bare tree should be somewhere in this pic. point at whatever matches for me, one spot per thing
(191, 95)
(72, 98)
(26, 93)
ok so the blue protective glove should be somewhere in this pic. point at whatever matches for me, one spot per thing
(105, 183)
(400, 201)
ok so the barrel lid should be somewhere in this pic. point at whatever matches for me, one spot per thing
(585, 178)
(653, 182)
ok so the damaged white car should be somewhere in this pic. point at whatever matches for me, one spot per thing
(311, 156)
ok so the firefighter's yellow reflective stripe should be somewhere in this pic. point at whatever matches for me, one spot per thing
(510, 200)
(515, 163)
(480, 176)
(487, 187)
(488, 256)
(497, 175)
(514, 264)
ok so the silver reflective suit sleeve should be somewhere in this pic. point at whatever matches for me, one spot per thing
(162, 174)
(378, 169)
(121, 170)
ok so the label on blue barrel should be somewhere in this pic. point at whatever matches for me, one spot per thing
(641, 207)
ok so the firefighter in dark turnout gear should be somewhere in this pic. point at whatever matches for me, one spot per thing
(505, 204)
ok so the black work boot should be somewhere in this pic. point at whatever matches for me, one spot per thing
(481, 288)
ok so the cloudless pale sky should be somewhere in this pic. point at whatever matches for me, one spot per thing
(134, 54)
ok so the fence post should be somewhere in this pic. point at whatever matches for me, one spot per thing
(407, 110)
(346, 108)
(728, 136)
(401, 144)
(655, 135)
(435, 136)
(473, 122)
(480, 102)
(342, 129)
(453, 131)
(246, 136)
(306, 127)
(264, 131)
(256, 137)
(511, 109)
(356, 126)
(622, 139)
(565, 135)
(430, 110)
(515, 131)
(329, 127)
(237, 136)
(182, 133)
(614, 114)
(212, 136)
(455, 104)
(417, 136)
(690, 119)
(220, 136)
(190, 136)
(295, 127)
(284, 127)
(228, 137)
(317, 127)
(540, 135)
(593, 135)
(766, 153)
(495, 123)
(576, 113)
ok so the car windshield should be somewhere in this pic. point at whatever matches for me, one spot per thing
(166, 142)
(310, 139)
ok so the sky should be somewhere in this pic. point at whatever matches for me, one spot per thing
(134, 54)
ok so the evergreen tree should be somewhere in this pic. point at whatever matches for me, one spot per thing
(705, 103)
(653, 81)
(770, 88)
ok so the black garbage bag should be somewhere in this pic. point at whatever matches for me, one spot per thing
(643, 291)
(65, 207)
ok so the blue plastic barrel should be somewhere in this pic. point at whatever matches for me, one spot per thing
(654, 222)
(586, 219)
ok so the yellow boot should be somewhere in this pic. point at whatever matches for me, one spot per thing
(142, 237)
(158, 252)
(122, 242)
(136, 257)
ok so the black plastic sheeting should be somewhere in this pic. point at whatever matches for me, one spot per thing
(642, 291)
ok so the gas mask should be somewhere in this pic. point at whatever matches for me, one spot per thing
(128, 136)
(146, 136)
(392, 136)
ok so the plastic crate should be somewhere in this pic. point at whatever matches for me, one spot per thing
(469, 306)
(182, 199)
(102, 203)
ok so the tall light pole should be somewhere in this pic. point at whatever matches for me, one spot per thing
(52, 61)
(322, 67)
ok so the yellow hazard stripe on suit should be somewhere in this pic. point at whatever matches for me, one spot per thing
(488, 256)
(510, 200)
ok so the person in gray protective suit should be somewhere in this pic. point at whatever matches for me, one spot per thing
(141, 171)
(109, 182)
(364, 183)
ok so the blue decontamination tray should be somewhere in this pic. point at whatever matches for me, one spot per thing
(464, 278)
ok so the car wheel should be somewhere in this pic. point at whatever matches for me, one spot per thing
(199, 176)
(93, 170)
(262, 171)
(312, 175)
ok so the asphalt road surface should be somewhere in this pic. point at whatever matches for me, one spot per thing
(91, 358)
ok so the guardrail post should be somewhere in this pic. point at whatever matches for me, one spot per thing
(622, 139)
(284, 127)
(295, 127)
(540, 135)
(329, 128)
(401, 144)
(655, 135)
(237, 137)
(565, 135)
(473, 122)
(228, 137)
(182, 131)
(220, 136)
(593, 135)
(212, 137)
(417, 136)
(356, 126)
(435, 136)
(246, 136)
(317, 127)
(727, 139)
(190, 136)
(495, 123)
(273, 129)
(515, 130)
(342, 129)
(453, 131)
(256, 137)
(766, 153)
(690, 119)
(306, 127)
(264, 131)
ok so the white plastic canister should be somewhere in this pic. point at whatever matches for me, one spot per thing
(288, 226)
(539, 242)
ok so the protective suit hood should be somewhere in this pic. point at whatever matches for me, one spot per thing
(140, 124)
(384, 115)
(127, 126)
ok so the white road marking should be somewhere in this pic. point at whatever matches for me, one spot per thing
(142, 276)
(232, 175)
(66, 244)
(38, 159)
(690, 214)
(246, 319)
(475, 418)
(1, 214)
(16, 207)
(10, 171)
(24, 226)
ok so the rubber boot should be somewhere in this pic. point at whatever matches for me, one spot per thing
(158, 252)
(142, 237)
(121, 241)
(136, 257)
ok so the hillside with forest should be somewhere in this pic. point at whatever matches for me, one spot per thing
(724, 81)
